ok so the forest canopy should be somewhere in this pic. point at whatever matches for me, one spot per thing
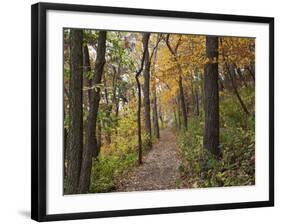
(150, 111)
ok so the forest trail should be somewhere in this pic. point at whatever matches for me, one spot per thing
(159, 169)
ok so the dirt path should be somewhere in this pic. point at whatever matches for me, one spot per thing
(159, 169)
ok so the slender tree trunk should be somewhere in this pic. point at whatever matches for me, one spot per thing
(180, 72)
(99, 142)
(221, 85)
(196, 101)
(251, 70)
(179, 111)
(146, 92)
(211, 105)
(145, 51)
(231, 73)
(155, 107)
(160, 114)
(108, 109)
(155, 115)
(175, 118)
(91, 149)
(195, 98)
(75, 113)
(139, 121)
(241, 77)
(183, 103)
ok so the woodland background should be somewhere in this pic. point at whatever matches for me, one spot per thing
(17, 209)
(121, 88)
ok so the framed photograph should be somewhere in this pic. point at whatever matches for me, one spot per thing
(139, 111)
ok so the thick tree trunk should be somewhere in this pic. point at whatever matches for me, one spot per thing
(146, 94)
(75, 146)
(91, 149)
(211, 97)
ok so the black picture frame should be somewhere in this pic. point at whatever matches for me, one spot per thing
(39, 122)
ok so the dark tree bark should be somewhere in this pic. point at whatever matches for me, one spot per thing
(146, 92)
(75, 146)
(183, 103)
(139, 121)
(211, 98)
(145, 51)
(179, 111)
(91, 146)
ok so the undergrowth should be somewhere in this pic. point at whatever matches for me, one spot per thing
(236, 167)
(118, 157)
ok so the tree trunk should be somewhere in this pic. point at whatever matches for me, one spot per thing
(211, 92)
(221, 85)
(175, 118)
(179, 111)
(241, 77)
(183, 103)
(139, 121)
(196, 101)
(145, 51)
(91, 149)
(155, 107)
(251, 70)
(231, 73)
(160, 115)
(146, 94)
(155, 116)
(98, 138)
(75, 113)
(108, 109)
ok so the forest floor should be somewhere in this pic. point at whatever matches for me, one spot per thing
(159, 169)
